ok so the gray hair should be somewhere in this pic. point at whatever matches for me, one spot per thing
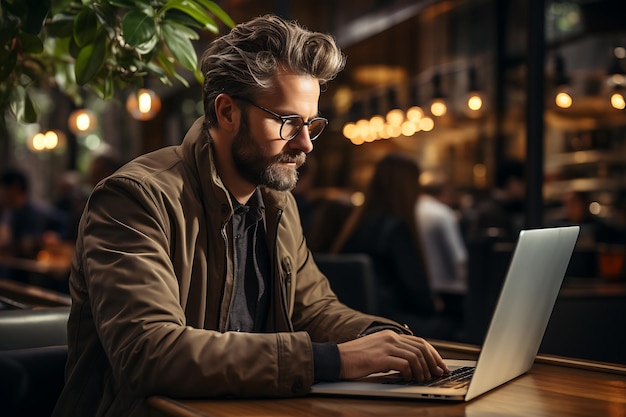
(245, 61)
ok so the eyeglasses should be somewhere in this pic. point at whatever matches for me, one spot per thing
(293, 124)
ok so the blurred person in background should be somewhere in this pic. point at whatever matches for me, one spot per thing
(385, 228)
(102, 166)
(441, 238)
(501, 214)
(70, 200)
(26, 223)
(593, 229)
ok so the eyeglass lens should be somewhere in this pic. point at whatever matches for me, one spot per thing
(291, 127)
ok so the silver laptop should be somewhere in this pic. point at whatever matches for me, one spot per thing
(517, 327)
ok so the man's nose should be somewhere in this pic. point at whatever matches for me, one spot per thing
(302, 141)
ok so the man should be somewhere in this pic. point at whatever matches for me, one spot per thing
(192, 277)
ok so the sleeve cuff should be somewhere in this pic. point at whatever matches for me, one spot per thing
(326, 362)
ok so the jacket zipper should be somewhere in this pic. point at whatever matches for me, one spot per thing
(225, 276)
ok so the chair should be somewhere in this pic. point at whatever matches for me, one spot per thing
(351, 277)
(32, 380)
(33, 328)
(33, 353)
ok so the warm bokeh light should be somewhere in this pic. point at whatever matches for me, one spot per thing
(358, 140)
(38, 142)
(617, 101)
(45, 141)
(81, 121)
(426, 124)
(50, 139)
(438, 108)
(395, 117)
(143, 105)
(408, 128)
(595, 208)
(414, 114)
(377, 124)
(350, 130)
(357, 198)
(475, 102)
(563, 100)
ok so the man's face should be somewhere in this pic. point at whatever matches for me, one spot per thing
(259, 154)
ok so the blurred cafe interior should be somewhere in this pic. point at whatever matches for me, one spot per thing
(458, 86)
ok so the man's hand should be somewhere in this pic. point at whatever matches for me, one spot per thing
(386, 350)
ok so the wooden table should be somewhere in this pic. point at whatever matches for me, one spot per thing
(554, 387)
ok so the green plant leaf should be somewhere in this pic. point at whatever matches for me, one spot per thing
(31, 112)
(138, 28)
(159, 72)
(72, 48)
(218, 12)
(31, 44)
(85, 27)
(22, 105)
(90, 59)
(181, 48)
(61, 26)
(104, 87)
(193, 10)
(165, 63)
(181, 29)
(109, 87)
(125, 4)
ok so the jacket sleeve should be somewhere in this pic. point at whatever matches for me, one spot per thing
(134, 297)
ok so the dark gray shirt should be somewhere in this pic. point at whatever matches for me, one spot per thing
(252, 283)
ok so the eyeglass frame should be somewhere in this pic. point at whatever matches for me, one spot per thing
(284, 119)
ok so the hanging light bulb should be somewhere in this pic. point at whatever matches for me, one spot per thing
(143, 105)
(475, 100)
(617, 99)
(563, 97)
(414, 113)
(438, 105)
(394, 116)
(617, 78)
(82, 121)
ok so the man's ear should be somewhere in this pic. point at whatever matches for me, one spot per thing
(227, 112)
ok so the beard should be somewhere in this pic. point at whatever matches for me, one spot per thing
(252, 164)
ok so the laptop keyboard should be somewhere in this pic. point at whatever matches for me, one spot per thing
(455, 379)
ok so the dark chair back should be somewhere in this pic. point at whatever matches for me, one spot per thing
(33, 353)
(31, 328)
(351, 277)
(32, 380)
